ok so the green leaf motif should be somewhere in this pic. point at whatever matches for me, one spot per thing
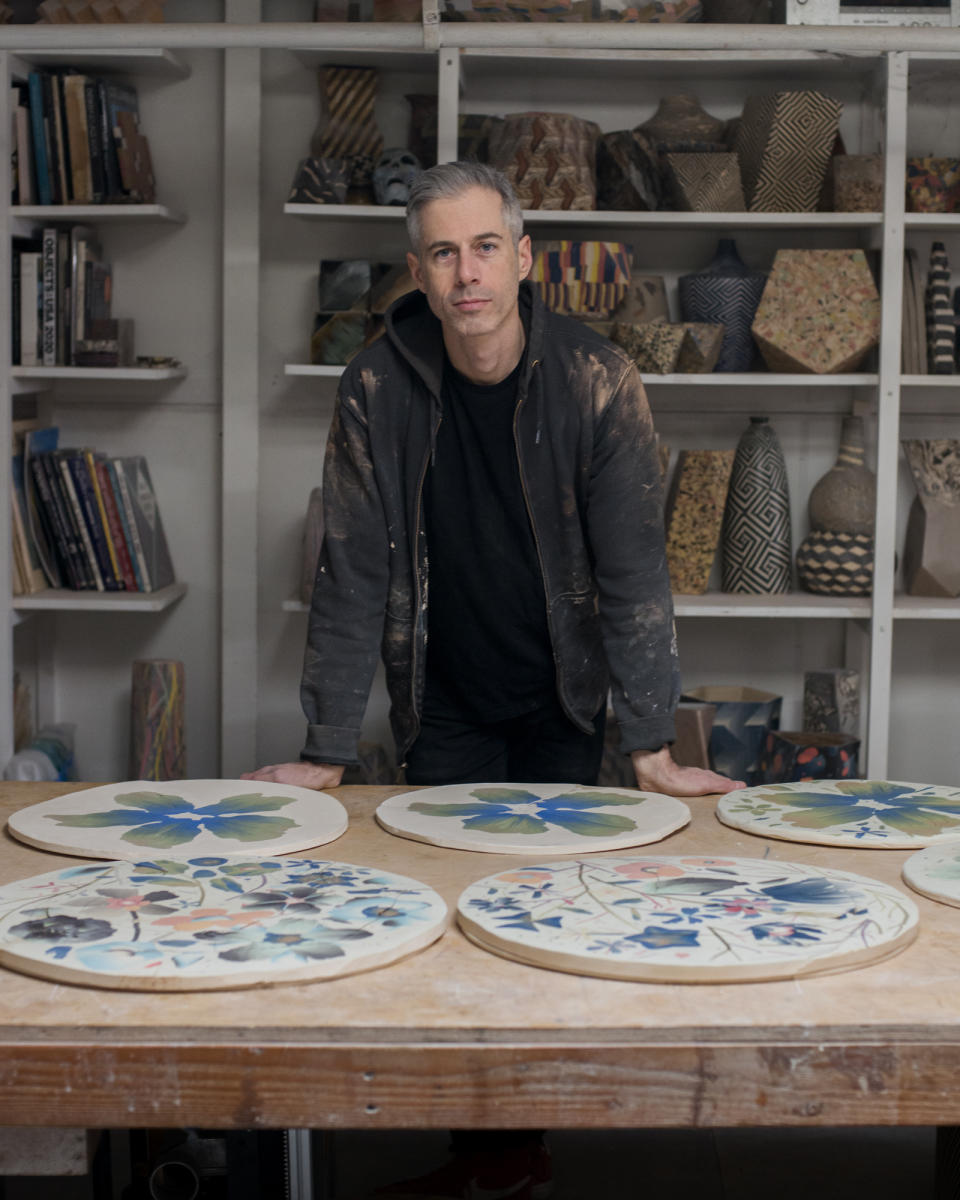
(918, 822)
(504, 795)
(252, 829)
(825, 816)
(592, 824)
(593, 799)
(162, 834)
(448, 810)
(226, 885)
(249, 802)
(512, 824)
(153, 801)
(248, 868)
(99, 820)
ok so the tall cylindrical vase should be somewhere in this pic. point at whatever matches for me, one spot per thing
(157, 737)
(726, 293)
(757, 552)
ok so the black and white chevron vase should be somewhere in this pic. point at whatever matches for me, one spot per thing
(941, 328)
(757, 552)
(726, 293)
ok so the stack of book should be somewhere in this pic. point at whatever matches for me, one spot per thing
(78, 141)
(83, 520)
(61, 302)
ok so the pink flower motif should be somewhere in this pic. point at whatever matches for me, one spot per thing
(209, 918)
(527, 875)
(649, 869)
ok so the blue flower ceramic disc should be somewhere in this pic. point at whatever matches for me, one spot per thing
(687, 920)
(869, 813)
(212, 922)
(185, 816)
(935, 872)
(532, 818)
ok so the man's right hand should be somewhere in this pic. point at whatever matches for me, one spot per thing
(300, 774)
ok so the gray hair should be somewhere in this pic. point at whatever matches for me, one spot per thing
(450, 179)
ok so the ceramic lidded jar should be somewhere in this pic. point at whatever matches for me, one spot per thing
(681, 120)
(844, 500)
(725, 293)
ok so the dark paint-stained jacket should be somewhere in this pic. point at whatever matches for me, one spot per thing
(588, 466)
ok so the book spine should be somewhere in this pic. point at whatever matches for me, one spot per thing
(15, 307)
(26, 172)
(128, 533)
(88, 506)
(104, 524)
(73, 495)
(63, 140)
(29, 296)
(63, 296)
(47, 512)
(115, 527)
(74, 89)
(48, 339)
(146, 583)
(33, 577)
(50, 486)
(35, 84)
(50, 136)
(113, 98)
(92, 95)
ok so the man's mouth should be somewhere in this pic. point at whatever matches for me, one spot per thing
(470, 303)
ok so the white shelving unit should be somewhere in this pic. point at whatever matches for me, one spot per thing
(273, 406)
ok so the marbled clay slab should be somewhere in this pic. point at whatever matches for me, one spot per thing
(819, 312)
(698, 496)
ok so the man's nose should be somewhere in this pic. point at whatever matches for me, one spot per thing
(467, 267)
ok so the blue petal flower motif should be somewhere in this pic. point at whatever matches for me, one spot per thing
(392, 912)
(787, 935)
(61, 927)
(813, 891)
(287, 937)
(495, 810)
(655, 937)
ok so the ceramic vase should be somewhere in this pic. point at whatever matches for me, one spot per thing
(941, 330)
(844, 500)
(933, 184)
(757, 551)
(726, 293)
(549, 158)
(740, 725)
(680, 122)
(789, 757)
(931, 556)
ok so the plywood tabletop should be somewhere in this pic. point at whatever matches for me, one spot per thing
(479, 1032)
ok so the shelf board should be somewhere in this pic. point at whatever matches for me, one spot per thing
(63, 600)
(164, 64)
(98, 212)
(926, 608)
(294, 606)
(930, 222)
(635, 220)
(354, 212)
(790, 605)
(326, 372)
(928, 381)
(111, 374)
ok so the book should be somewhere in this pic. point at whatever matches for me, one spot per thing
(84, 247)
(72, 492)
(39, 137)
(31, 298)
(37, 443)
(93, 99)
(33, 577)
(114, 98)
(143, 517)
(54, 167)
(18, 246)
(118, 537)
(65, 535)
(26, 172)
(130, 536)
(78, 138)
(104, 524)
(48, 333)
(76, 463)
(61, 138)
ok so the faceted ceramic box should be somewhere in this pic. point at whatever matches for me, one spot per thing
(789, 756)
(706, 182)
(931, 556)
(550, 159)
(819, 313)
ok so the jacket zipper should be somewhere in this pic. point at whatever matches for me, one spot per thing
(416, 568)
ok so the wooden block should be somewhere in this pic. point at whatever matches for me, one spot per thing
(695, 516)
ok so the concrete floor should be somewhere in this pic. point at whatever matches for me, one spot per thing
(729, 1164)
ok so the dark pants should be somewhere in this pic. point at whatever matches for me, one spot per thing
(542, 746)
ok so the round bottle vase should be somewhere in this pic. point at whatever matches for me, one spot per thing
(836, 564)
(844, 500)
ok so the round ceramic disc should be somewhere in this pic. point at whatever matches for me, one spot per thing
(687, 920)
(532, 818)
(186, 816)
(935, 872)
(868, 813)
(213, 922)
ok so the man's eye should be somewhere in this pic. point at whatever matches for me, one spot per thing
(441, 254)
(487, 247)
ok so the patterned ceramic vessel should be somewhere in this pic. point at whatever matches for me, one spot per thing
(757, 552)
(789, 756)
(726, 293)
(844, 500)
(740, 725)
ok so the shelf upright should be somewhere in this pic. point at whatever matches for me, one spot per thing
(7, 615)
(240, 408)
(888, 418)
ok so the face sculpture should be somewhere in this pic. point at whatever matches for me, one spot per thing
(392, 176)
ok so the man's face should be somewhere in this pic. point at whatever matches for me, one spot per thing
(468, 267)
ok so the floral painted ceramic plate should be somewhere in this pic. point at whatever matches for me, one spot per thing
(687, 920)
(212, 922)
(532, 818)
(869, 813)
(190, 816)
(935, 872)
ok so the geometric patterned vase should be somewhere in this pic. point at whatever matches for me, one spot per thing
(757, 551)
(725, 293)
(941, 329)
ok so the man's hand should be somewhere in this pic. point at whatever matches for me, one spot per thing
(657, 772)
(300, 774)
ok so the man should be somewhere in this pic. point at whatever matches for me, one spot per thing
(491, 481)
(505, 458)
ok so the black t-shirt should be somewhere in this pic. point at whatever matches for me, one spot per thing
(489, 656)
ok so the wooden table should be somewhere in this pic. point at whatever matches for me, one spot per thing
(454, 1036)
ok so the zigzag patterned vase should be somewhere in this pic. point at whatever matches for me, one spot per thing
(757, 551)
(726, 293)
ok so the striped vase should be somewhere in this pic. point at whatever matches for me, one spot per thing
(757, 552)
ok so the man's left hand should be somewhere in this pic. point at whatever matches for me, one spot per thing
(657, 772)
